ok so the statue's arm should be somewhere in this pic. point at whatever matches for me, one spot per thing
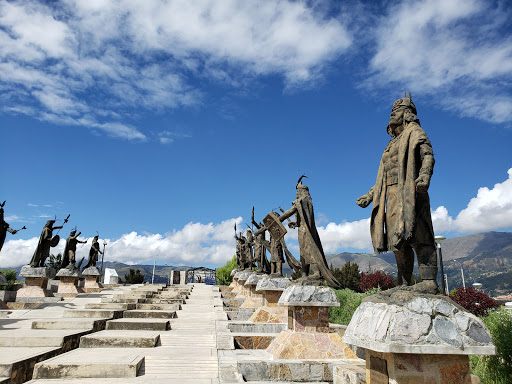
(58, 227)
(296, 223)
(13, 231)
(256, 224)
(366, 199)
(427, 167)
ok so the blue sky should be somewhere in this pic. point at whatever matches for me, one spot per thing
(160, 124)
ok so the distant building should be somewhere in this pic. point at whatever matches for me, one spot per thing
(111, 276)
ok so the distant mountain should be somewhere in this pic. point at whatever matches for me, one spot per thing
(485, 257)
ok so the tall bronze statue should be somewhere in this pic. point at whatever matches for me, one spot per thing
(68, 260)
(313, 263)
(46, 241)
(400, 220)
(93, 253)
(260, 251)
(4, 227)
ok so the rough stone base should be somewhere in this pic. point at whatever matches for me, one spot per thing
(350, 372)
(68, 286)
(294, 345)
(3, 305)
(417, 368)
(92, 284)
(287, 371)
(34, 287)
(253, 341)
(254, 300)
(270, 315)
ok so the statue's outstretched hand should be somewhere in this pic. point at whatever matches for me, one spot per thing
(422, 183)
(363, 201)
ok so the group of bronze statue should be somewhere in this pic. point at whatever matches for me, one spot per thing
(47, 241)
(400, 219)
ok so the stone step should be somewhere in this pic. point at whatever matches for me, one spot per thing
(139, 324)
(144, 313)
(38, 337)
(103, 313)
(159, 307)
(93, 324)
(164, 301)
(118, 306)
(90, 363)
(120, 339)
(122, 300)
(134, 295)
(19, 361)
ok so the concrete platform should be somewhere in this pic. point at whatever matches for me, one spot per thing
(159, 307)
(90, 363)
(144, 324)
(120, 339)
(164, 301)
(38, 337)
(103, 313)
(122, 300)
(94, 324)
(115, 306)
(139, 313)
(17, 363)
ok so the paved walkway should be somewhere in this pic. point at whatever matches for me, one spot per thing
(188, 352)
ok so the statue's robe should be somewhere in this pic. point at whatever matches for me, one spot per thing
(71, 242)
(43, 248)
(309, 241)
(4, 228)
(411, 209)
(93, 254)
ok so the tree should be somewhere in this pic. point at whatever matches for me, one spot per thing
(10, 276)
(476, 302)
(348, 276)
(376, 280)
(134, 277)
(224, 273)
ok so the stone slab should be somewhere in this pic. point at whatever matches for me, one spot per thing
(70, 323)
(409, 322)
(16, 363)
(118, 306)
(309, 296)
(159, 307)
(90, 363)
(102, 313)
(28, 271)
(121, 300)
(91, 271)
(272, 284)
(145, 313)
(36, 337)
(120, 339)
(66, 272)
(253, 279)
(38, 299)
(145, 324)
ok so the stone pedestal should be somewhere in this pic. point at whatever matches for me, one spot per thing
(36, 283)
(243, 291)
(254, 299)
(272, 289)
(307, 336)
(233, 282)
(92, 276)
(68, 282)
(412, 337)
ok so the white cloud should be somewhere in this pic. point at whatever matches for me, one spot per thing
(90, 63)
(355, 234)
(194, 244)
(459, 50)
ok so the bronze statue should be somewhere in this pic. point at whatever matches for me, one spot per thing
(46, 241)
(313, 263)
(68, 260)
(260, 252)
(400, 220)
(4, 227)
(93, 252)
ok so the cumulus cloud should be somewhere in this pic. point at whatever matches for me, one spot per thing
(194, 244)
(89, 63)
(490, 210)
(459, 50)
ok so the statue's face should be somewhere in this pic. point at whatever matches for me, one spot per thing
(396, 118)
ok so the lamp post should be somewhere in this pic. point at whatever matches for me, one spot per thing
(477, 286)
(462, 273)
(439, 240)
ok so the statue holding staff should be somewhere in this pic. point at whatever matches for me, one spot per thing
(4, 227)
(93, 253)
(46, 241)
(68, 260)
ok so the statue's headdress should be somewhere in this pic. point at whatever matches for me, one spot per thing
(300, 185)
(405, 103)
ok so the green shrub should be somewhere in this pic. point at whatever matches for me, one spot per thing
(349, 300)
(134, 277)
(224, 273)
(496, 369)
(10, 276)
(348, 276)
